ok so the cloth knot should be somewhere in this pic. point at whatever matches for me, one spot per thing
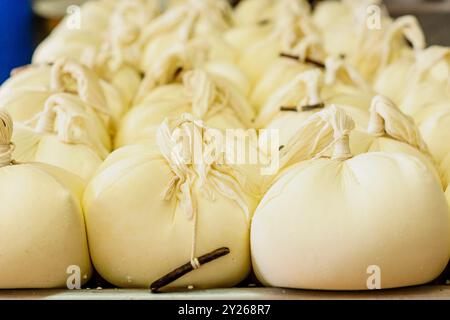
(195, 263)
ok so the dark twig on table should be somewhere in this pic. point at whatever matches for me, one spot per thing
(186, 268)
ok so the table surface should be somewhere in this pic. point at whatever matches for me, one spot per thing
(413, 293)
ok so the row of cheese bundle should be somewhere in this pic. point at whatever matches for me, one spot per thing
(322, 222)
(281, 41)
(347, 195)
(177, 205)
(64, 115)
(81, 102)
(172, 212)
(282, 254)
(66, 109)
(57, 122)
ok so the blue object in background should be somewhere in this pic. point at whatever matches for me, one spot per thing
(16, 43)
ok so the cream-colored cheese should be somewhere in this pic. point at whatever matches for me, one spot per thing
(147, 215)
(42, 227)
(325, 223)
(25, 96)
(206, 96)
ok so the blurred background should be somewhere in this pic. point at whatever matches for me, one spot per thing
(24, 23)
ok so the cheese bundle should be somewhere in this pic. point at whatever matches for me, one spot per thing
(386, 128)
(24, 95)
(421, 88)
(168, 65)
(42, 229)
(343, 24)
(385, 48)
(63, 135)
(427, 98)
(257, 20)
(364, 33)
(79, 32)
(103, 35)
(389, 130)
(252, 12)
(285, 68)
(191, 20)
(284, 38)
(64, 116)
(417, 83)
(309, 92)
(326, 222)
(208, 97)
(151, 210)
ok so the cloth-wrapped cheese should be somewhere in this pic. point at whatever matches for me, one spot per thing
(392, 80)
(285, 68)
(117, 59)
(344, 24)
(24, 94)
(218, 49)
(434, 125)
(420, 87)
(42, 229)
(150, 212)
(114, 59)
(79, 32)
(76, 33)
(326, 13)
(243, 37)
(205, 20)
(122, 77)
(426, 97)
(327, 223)
(339, 23)
(251, 12)
(256, 19)
(169, 62)
(364, 32)
(114, 52)
(428, 82)
(208, 97)
(308, 93)
(387, 46)
(389, 130)
(285, 38)
(415, 81)
(100, 22)
(86, 126)
(63, 135)
(199, 17)
(340, 83)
